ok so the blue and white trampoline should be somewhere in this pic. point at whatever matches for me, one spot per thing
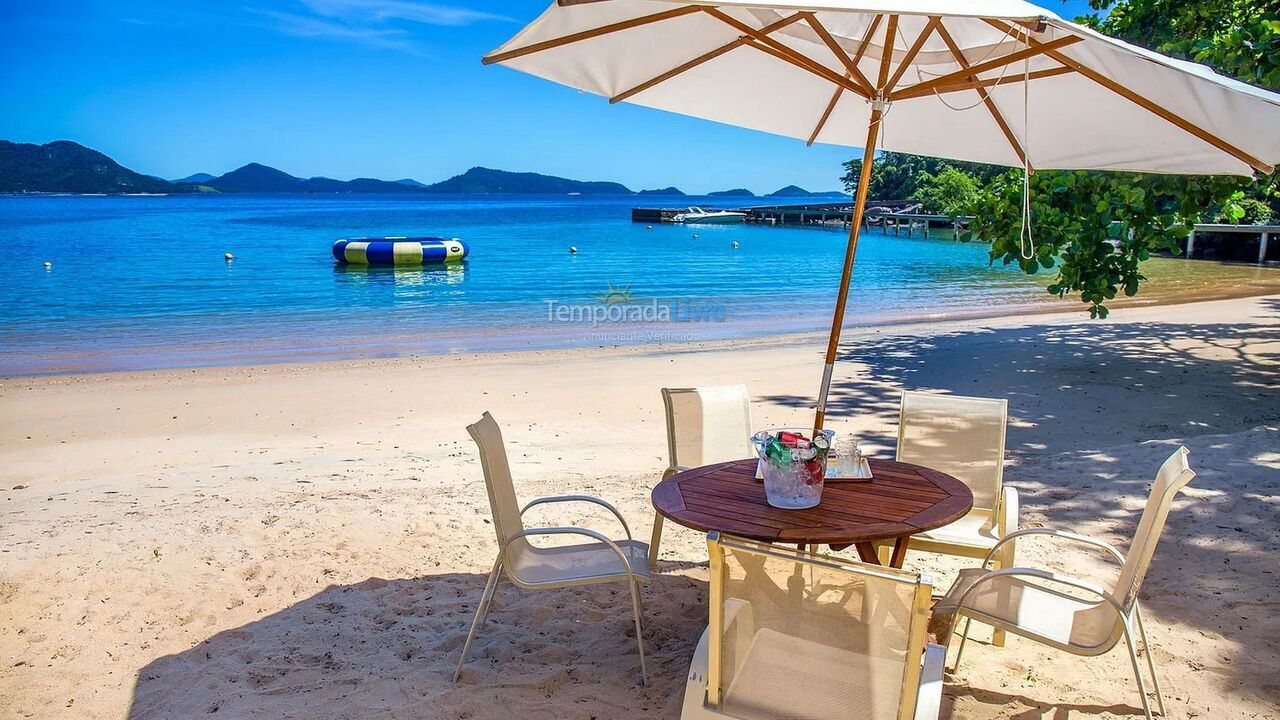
(399, 251)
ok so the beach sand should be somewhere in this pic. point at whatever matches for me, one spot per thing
(309, 540)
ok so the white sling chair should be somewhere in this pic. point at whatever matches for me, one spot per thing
(704, 425)
(1079, 616)
(963, 437)
(537, 568)
(794, 635)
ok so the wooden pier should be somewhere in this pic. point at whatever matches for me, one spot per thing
(1216, 249)
(1207, 241)
(880, 213)
(815, 214)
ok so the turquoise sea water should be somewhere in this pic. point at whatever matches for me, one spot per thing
(140, 282)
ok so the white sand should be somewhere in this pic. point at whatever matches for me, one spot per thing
(307, 541)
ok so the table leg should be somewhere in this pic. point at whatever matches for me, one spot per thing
(867, 552)
(899, 551)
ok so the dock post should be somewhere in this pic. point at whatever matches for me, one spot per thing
(1262, 247)
(1191, 242)
(955, 228)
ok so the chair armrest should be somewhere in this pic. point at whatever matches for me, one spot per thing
(929, 694)
(1068, 580)
(1007, 516)
(673, 470)
(579, 498)
(1061, 534)
(573, 531)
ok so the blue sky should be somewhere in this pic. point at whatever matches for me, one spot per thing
(347, 88)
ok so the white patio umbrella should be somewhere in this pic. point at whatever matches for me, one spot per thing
(994, 81)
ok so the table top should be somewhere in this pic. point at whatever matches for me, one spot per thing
(901, 499)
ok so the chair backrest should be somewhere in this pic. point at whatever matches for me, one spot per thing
(708, 424)
(961, 436)
(794, 634)
(497, 478)
(1173, 475)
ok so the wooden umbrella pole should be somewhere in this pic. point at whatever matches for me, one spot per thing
(855, 226)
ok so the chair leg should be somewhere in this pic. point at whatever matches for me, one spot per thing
(653, 542)
(482, 611)
(1151, 662)
(493, 598)
(998, 635)
(964, 637)
(951, 633)
(1137, 672)
(635, 608)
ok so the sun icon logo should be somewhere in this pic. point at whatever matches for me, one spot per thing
(616, 295)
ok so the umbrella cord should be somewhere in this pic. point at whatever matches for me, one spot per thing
(982, 96)
(1026, 241)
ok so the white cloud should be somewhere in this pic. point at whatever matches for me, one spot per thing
(376, 23)
(378, 11)
(312, 27)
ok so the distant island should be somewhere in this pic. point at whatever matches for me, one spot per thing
(793, 191)
(485, 180)
(64, 166)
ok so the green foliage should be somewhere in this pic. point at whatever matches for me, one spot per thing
(1093, 228)
(1244, 210)
(951, 191)
(1096, 228)
(897, 176)
(1240, 38)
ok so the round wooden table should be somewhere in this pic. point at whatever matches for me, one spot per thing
(901, 499)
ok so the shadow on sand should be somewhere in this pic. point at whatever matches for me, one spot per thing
(386, 648)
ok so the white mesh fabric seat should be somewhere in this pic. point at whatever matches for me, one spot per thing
(1079, 616)
(963, 437)
(794, 635)
(977, 531)
(544, 568)
(581, 564)
(705, 425)
(1058, 618)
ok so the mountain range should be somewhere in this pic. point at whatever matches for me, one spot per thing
(67, 167)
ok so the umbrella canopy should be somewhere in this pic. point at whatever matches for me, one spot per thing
(995, 81)
(808, 69)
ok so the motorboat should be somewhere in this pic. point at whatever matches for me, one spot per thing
(698, 215)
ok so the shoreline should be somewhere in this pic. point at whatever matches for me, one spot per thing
(409, 347)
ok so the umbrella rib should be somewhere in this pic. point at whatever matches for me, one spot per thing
(780, 51)
(910, 92)
(841, 55)
(835, 98)
(886, 53)
(994, 63)
(588, 34)
(1148, 105)
(929, 27)
(986, 97)
(839, 81)
(705, 57)
(866, 40)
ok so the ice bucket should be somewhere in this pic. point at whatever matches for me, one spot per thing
(793, 464)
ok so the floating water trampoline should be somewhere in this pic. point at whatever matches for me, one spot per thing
(399, 251)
